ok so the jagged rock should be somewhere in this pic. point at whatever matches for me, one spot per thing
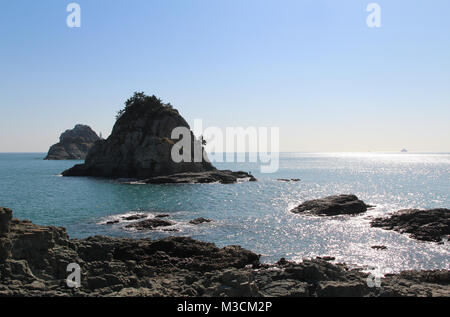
(200, 220)
(179, 266)
(426, 225)
(150, 224)
(73, 144)
(332, 206)
(140, 146)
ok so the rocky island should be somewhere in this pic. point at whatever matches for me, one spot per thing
(34, 260)
(73, 144)
(140, 147)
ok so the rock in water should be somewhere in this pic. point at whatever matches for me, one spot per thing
(216, 176)
(73, 144)
(150, 224)
(140, 144)
(426, 225)
(134, 217)
(379, 247)
(199, 221)
(333, 205)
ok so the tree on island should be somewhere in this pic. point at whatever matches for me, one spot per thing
(140, 98)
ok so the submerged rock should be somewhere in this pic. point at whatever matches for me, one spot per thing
(426, 225)
(36, 259)
(333, 205)
(199, 221)
(140, 145)
(73, 144)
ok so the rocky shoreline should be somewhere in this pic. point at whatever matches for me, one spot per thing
(34, 260)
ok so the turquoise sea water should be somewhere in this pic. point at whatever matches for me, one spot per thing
(253, 215)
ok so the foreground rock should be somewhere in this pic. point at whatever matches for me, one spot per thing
(426, 225)
(73, 144)
(140, 145)
(223, 177)
(36, 258)
(333, 205)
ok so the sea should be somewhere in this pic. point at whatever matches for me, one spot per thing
(254, 215)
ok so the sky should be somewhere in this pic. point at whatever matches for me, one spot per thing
(313, 68)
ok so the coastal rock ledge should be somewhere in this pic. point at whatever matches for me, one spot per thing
(333, 206)
(34, 259)
(140, 147)
(73, 144)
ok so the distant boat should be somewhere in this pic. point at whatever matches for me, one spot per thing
(404, 151)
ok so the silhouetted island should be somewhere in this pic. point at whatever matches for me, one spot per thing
(73, 144)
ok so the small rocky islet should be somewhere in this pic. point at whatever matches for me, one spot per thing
(34, 259)
(333, 206)
(73, 144)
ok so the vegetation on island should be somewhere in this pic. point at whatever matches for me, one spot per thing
(141, 99)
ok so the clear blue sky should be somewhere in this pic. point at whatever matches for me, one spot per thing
(312, 68)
